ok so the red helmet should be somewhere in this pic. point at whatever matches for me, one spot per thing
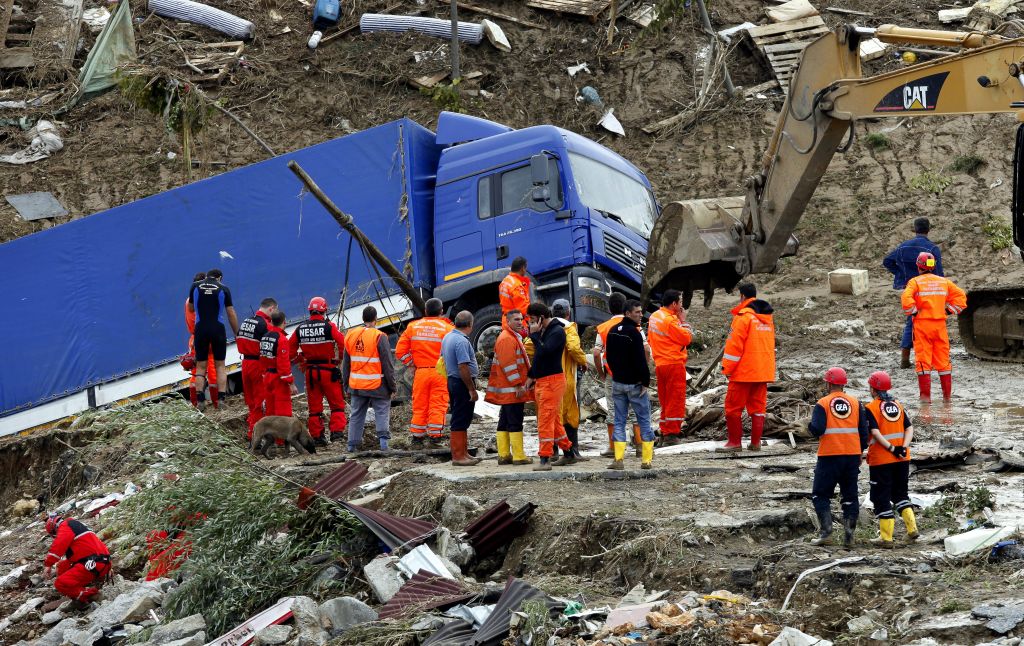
(318, 305)
(52, 522)
(188, 362)
(835, 376)
(925, 261)
(880, 380)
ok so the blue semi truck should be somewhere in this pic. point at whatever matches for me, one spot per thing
(98, 301)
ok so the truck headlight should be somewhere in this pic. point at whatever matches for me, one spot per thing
(589, 282)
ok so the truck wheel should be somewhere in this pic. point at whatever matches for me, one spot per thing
(486, 328)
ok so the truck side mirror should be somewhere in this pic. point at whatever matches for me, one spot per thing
(539, 169)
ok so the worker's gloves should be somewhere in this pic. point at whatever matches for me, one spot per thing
(898, 451)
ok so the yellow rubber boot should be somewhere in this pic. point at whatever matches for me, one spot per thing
(518, 454)
(911, 522)
(620, 453)
(504, 454)
(885, 530)
(647, 448)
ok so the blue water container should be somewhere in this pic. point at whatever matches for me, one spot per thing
(326, 13)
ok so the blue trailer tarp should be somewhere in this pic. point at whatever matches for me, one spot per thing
(102, 297)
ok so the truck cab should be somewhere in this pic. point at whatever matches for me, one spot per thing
(579, 213)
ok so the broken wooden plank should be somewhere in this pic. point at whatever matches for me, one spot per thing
(767, 86)
(803, 34)
(848, 12)
(429, 81)
(6, 7)
(497, 14)
(16, 58)
(74, 27)
(783, 27)
(589, 8)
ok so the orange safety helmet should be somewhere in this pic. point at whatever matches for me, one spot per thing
(925, 261)
(52, 523)
(318, 305)
(835, 376)
(880, 380)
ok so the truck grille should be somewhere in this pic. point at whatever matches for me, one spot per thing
(621, 252)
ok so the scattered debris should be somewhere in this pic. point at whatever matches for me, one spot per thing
(573, 70)
(424, 591)
(44, 140)
(496, 37)
(848, 281)
(342, 480)
(342, 613)
(976, 539)
(395, 531)
(468, 32)
(36, 206)
(202, 14)
(1002, 616)
(792, 10)
(96, 18)
(642, 14)
(610, 123)
(589, 8)
(957, 14)
(383, 577)
(781, 44)
(213, 61)
(826, 566)
(793, 637)
(498, 526)
(487, 11)
(423, 559)
(844, 327)
(872, 48)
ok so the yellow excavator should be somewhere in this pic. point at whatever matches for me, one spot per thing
(707, 244)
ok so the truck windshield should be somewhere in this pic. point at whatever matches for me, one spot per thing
(615, 194)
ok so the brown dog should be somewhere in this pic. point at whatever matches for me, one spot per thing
(279, 427)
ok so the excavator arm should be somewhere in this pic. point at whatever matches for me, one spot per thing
(712, 243)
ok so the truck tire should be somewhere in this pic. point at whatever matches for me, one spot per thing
(486, 328)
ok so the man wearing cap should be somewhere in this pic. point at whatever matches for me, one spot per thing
(842, 426)
(902, 264)
(573, 359)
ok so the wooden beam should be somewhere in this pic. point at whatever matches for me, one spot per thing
(6, 7)
(850, 12)
(501, 16)
(16, 58)
(74, 28)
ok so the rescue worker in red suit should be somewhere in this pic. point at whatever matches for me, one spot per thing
(669, 334)
(82, 560)
(319, 346)
(211, 369)
(250, 332)
(889, 461)
(929, 298)
(278, 383)
(749, 364)
(842, 427)
(419, 348)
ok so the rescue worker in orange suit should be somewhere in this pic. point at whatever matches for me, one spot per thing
(889, 460)
(506, 387)
(669, 334)
(842, 426)
(278, 383)
(82, 559)
(545, 374)
(514, 290)
(194, 395)
(419, 348)
(617, 306)
(573, 360)
(250, 332)
(749, 364)
(318, 345)
(929, 298)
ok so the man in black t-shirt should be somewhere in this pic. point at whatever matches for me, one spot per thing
(208, 299)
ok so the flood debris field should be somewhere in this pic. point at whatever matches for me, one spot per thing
(703, 549)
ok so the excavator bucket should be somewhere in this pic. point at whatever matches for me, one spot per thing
(699, 245)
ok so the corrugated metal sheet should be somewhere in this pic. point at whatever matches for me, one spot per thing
(424, 591)
(339, 482)
(494, 631)
(395, 531)
(498, 526)
(455, 633)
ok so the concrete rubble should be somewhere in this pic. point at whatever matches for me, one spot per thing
(340, 614)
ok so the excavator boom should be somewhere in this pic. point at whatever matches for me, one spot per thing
(706, 244)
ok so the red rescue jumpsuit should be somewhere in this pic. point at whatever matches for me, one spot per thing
(419, 347)
(319, 346)
(749, 363)
(277, 371)
(928, 298)
(82, 560)
(668, 339)
(250, 332)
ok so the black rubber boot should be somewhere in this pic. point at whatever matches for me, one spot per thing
(825, 521)
(849, 527)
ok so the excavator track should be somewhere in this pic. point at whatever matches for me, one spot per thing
(992, 324)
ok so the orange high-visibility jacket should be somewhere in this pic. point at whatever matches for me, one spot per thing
(361, 347)
(750, 349)
(842, 422)
(508, 370)
(514, 293)
(420, 344)
(891, 420)
(668, 338)
(928, 296)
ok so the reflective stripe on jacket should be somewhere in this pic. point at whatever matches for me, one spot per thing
(931, 297)
(668, 337)
(750, 349)
(420, 344)
(508, 370)
(361, 348)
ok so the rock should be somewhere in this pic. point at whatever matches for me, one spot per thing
(344, 612)
(452, 548)
(864, 623)
(25, 608)
(743, 577)
(55, 636)
(52, 617)
(382, 575)
(845, 327)
(1001, 618)
(793, 637)
(130, 606)
(118, 585)
(178, 629)
(455, 570)
(272, 636)
(795, 519)
(24, 507)
(197, 639)
(880, 635)
(950, 441)
(77, 637)
(458, 511)
(307, 622)
(924, 568)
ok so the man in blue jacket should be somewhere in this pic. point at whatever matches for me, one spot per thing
(902, 264)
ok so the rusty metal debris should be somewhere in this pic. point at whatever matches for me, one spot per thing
(395, 531)
(339, 482)
(498, 526)
(424, 591)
